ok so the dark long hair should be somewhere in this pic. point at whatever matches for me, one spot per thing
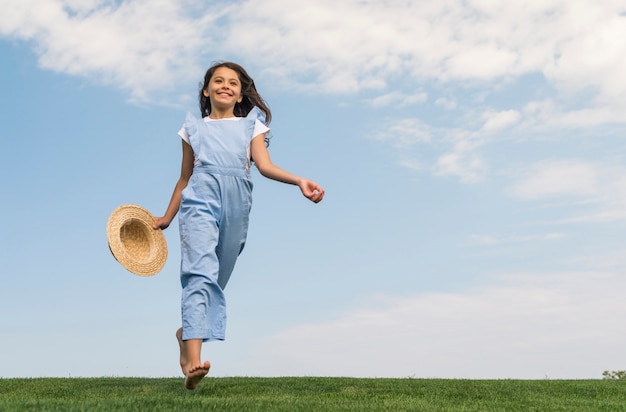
(251, 96)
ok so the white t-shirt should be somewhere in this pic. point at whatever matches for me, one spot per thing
(259, 128)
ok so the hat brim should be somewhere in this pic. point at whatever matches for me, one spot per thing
(134, 243)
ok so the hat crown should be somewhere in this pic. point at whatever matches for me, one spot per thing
(138, 244)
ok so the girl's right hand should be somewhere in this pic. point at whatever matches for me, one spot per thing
(161, 223)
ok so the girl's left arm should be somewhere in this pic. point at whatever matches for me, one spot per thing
(261, 158)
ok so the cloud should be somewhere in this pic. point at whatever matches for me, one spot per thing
(444, 55)
(398, 99)
(403, 133)
(592, 56)
(474, 52)
(557, 178)
(139, 46)
(495, 121)
(449, 104)
(525, 326)
(417, 143)
(446, 151)
(600, 189)
(463, 159)
(331, 47)
(355, 45)
(466, 165)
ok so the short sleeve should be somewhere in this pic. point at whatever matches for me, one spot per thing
(259, 128)
(183, 134)
(189, 128)
(259, 123)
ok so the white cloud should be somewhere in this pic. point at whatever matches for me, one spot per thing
(495, 121)
(600, 188)
(355, 45)
(523, 327)
(398, 99)
(557, 178)
(402, 133)
(463, 159)
(466, 165)
(548, 115)
(139, 45)
(593, 55)
(612, 200)
(448, 104)
(330, 46)
(327, 47)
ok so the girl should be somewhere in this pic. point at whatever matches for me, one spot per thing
(213, 195)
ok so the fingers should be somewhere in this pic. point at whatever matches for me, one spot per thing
(160, 223)
(316, 197)
(314, 192)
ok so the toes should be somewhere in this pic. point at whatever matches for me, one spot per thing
(194, 376)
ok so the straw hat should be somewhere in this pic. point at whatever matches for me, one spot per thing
(139, 248)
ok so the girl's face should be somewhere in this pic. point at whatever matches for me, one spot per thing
(224, 89)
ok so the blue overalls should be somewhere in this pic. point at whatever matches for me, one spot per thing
(213, 219)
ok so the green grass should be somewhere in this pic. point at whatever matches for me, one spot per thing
(311, 394)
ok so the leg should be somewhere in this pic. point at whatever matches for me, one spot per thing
(183, 351)
(233, 228)
(203, 304)
(209, 252)
(195, 369)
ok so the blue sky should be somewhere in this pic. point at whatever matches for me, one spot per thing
(473, 157)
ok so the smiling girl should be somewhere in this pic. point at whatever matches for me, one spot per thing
(214, 197)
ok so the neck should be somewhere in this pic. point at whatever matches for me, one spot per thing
(221, 114)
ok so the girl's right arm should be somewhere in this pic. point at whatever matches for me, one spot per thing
(186, 170)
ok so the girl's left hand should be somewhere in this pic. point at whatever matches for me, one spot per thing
(311, 190)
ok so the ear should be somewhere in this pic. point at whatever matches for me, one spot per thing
(205, 92)
(240, 98)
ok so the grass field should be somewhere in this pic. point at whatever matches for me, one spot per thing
(311, 394)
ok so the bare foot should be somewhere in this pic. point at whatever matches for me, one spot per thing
(195, 375)
(183, 352)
